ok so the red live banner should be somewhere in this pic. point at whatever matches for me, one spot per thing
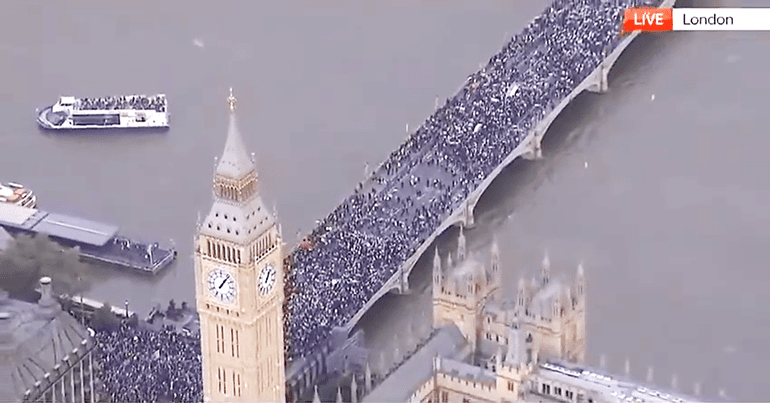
(648, 20)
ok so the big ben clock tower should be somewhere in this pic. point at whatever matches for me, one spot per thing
(239, 284)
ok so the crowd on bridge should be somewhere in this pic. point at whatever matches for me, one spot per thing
(138, 365)
(365, 240)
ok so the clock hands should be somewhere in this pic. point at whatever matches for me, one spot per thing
(223, 282)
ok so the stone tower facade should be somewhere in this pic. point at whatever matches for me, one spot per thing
(546, 320)
(239, 284)
(461, 290)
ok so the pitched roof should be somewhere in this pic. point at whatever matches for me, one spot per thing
(237, 223)
(35, 338)
(235, 162)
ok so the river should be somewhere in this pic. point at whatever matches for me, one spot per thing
(659, 186)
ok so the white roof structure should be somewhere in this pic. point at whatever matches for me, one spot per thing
(14, 214)
(611, 389)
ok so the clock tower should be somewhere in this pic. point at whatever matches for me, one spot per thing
(239, 284)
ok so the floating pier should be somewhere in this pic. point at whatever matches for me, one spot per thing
(94, 241)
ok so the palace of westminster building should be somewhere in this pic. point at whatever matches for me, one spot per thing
(530, 349)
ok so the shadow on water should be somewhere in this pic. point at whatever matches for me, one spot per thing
(106, 131)
(101, 271)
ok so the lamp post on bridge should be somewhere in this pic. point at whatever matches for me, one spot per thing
(126, 313)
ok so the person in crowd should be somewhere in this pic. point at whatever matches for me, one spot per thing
(352, 252)
(148, 366)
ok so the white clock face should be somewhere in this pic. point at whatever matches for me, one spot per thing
(266, 279)
(222, 285)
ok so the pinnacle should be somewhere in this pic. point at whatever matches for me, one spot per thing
(235, 162)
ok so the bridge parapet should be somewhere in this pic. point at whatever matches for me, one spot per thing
(530, 148)
(407, 166)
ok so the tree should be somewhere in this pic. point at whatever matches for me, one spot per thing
(27, 259)
(105, 319)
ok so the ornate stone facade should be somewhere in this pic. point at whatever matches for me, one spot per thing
(239, 284)
(546, 320)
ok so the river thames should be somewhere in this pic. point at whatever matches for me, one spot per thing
(659, 187)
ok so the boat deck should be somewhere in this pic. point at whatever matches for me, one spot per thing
(122, 103)
(96, 241)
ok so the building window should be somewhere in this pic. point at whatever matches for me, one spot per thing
(238, 385)
(224, 384)
(218, 337)
(222, 338)
(219, 377)
(237, 346)
(444, 397)
(510, 386)
(465, 400)
(232, 345)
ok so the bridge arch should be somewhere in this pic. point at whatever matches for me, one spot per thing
(529, 147)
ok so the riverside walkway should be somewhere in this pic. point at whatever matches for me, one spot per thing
(368, 245)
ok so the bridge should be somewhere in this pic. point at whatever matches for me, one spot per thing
(528, 148)
(536, 105)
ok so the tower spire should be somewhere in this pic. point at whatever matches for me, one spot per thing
(235, 162)
(436, 271)
(461, 245)
(231, 101)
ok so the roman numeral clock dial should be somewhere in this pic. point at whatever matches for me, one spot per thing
(222, 285)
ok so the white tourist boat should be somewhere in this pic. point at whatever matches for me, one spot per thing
(123, 111)
(15, 193)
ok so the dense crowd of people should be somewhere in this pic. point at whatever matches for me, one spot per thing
(136, 102)
(361, 244)
(148, 366)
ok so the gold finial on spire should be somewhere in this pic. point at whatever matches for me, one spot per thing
(231, 100)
